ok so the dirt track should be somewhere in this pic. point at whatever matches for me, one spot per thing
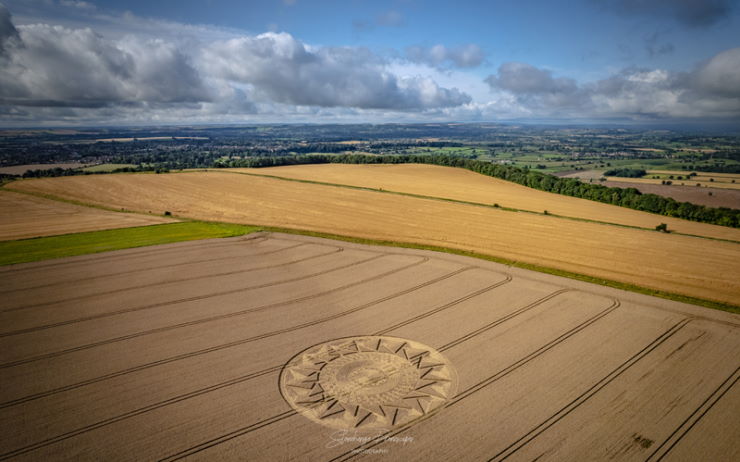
(175, 351)
(25, 216)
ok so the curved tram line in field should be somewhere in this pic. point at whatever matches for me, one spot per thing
(154, 284)
(397, 425)
(460, 340)
(82, 259)
(217, 317)
(238, 342)
(171, 281)
(506, 279)
(146, 268)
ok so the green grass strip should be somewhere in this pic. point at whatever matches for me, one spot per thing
(517, 264)
(67, 245)
(56, 249)
(459, 201)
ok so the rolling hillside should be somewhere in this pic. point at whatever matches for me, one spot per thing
(693, 266)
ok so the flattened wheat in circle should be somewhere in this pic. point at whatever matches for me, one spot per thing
(367, 382)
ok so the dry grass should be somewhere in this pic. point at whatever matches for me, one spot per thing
(454, 183)
(685, 265)
(25, 216)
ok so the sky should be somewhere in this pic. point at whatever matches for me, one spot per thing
(105, 62)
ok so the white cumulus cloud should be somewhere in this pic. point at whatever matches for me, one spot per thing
(53, 66)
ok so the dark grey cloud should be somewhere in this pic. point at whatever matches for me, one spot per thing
(282, 69)
(7, 29)
(77, 67)
(711, 90)
(536, 88)
(440, 56)
(719, 76)
(694, 13)
(523, 78)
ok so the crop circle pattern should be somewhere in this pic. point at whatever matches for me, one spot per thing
(367, 382)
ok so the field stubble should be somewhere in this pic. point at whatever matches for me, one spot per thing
(680, 264)
(459, 184)
(25, 216)
(547, 367)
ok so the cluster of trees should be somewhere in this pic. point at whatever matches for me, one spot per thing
(57, 171)
(626, 172)
(6, 178)
(625, 197)
(735, 168)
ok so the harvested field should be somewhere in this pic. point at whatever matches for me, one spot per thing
(460, 184)
(197, 351)
(680, 190)
(685, 265)
(583, 175)
(21, 169)
(25, 216)
(703, 181)
(726, 197)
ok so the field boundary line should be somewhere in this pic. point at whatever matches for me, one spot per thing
(474, 204)
(53, 197)
(707, 303)
(114, 313)
(221, 316)
(176, 399)
(507, 279)
(226, 345)
(85, 258)
(589, 393)
(484, 383)
(714, 304)
(337, 249)
(555, 272)
(190, 262)
(218, 347)
(277, 418)
(495, 323)
(694, 418)
(226, 383)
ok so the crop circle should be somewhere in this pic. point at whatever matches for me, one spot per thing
(367, 382)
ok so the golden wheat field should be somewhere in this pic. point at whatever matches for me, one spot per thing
(686, 265)
(459, 184)
(25, 216)
(275, 347)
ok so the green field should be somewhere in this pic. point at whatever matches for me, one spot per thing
(106, 167)
(67, 245)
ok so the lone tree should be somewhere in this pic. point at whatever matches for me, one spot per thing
(662, 227)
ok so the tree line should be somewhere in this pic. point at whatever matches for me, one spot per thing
(626, 172)
(625, 197)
